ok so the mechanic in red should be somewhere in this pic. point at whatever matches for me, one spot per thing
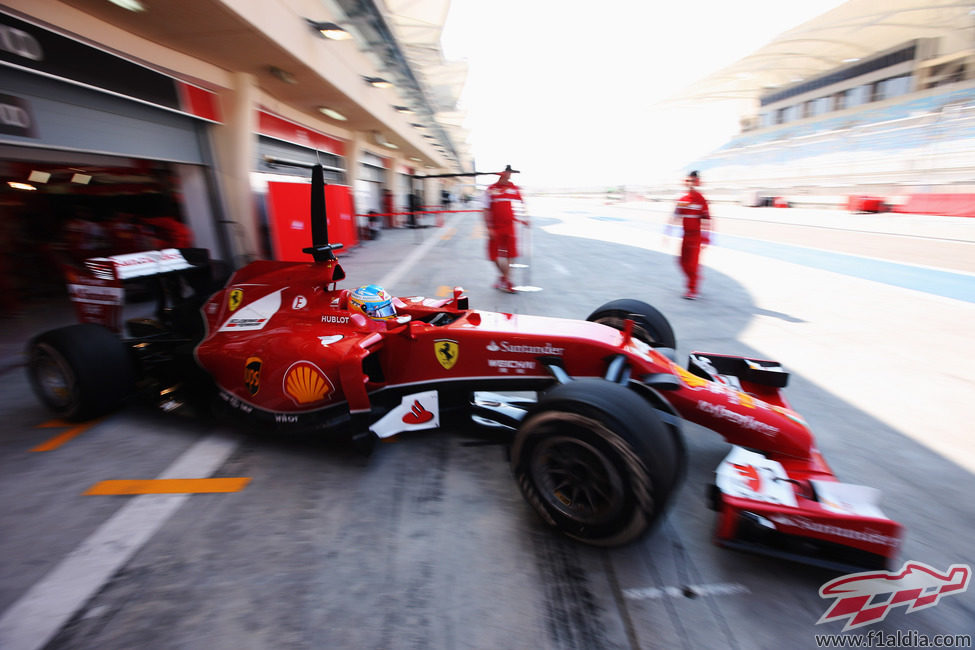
(692, 213)
(500, 219)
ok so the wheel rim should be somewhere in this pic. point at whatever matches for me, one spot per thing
(639, 332)
(54, 378)
(577, 479)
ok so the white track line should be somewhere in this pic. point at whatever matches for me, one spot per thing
(32, 621)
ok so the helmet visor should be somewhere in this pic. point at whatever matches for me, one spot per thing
(383, 309)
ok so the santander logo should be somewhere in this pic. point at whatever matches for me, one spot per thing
(417, 414)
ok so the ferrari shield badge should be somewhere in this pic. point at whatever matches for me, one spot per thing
(446, 351)
(236, 296)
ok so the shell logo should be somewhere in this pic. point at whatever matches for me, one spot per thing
(305, 383)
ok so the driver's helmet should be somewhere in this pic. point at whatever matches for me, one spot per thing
(373, 301)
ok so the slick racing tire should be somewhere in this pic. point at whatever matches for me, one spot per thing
(80, 371)
(596, 461)
(649, 325)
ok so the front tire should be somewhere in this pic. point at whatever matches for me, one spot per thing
(649, 324)
(596, 461)
(80, 371)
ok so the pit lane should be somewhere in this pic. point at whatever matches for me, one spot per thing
(428, 542)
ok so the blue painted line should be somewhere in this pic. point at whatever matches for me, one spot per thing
(940, 283)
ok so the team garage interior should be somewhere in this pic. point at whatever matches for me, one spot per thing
(60, 208)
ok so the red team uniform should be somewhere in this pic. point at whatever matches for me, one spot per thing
(692, 208)
(501, 220)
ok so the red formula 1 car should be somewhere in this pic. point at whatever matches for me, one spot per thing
(598, 453)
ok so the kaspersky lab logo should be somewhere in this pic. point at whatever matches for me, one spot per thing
(866, 598)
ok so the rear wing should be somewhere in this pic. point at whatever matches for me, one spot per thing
(98, 288)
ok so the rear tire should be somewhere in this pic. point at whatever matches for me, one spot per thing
(649, 325)
(80, 371)
(596, 462)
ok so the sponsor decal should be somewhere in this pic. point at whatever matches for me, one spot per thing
(750, 475)
(252, 374)
(137, 265)
(300, 302)
(284, 418)
(792, 415)
(338, 320)
(740, 419)
(235, 298)
(689, 378)
(417, 414)
(242, 324)
(305, 383)
(504, 365)
(446, 351)
(868, 536)
(866, 598)
(235, 403)
(255, 315)
(744, 399)
(97, 295)
(522, 348)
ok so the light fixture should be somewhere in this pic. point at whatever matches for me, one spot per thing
(330, 30)
(332, 113)
(381, 139)
(39, 176)
(378, 82)
(131, 5)
(404, 109)
(20, 186)
(282, 75)
(81, 179)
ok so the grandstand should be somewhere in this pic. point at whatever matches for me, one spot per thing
(859, 101)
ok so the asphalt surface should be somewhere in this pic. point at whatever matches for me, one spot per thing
(428, 543)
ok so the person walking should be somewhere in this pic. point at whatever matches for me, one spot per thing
(500, 220)
(692, 214)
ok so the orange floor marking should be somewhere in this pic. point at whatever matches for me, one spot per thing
(168, 486)
(62, 438)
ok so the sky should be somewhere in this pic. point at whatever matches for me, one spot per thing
(568, 92)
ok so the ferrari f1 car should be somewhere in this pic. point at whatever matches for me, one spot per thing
(597, 452)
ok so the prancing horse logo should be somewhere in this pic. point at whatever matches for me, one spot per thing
(236, 296)
(446, 351)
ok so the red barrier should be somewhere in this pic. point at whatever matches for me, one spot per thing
(288, 207)
(948, 205)
(859, 203)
